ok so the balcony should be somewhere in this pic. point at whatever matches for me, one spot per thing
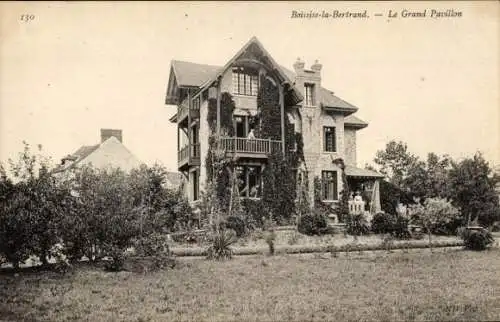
(188, 155)
(183, 111)
(249, 148)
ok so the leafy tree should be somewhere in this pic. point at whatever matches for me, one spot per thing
(395, 162)
(428, 179)
(32, 205)
(434, 213)
(472, 189)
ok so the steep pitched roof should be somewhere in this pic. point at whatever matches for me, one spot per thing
(89, 151)
(192, 74)
(197, 75)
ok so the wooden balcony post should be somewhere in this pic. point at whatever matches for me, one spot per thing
(218, 106)
(189, 116)
(282, 107)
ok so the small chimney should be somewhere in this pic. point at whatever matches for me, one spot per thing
(298, 65)
(316, 66)
(107, 133)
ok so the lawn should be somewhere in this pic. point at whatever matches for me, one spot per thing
(445, 285)
(289, 240)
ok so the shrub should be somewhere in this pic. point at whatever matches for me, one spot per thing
(382, 223)
(253, 212)
(237, 224)
(394, 224)
(117, 261)
(477, 239)
(152, 245)
(400, 229)
(357, 225)
(221, 245)
(312, 224)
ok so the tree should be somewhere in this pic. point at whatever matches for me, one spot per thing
(395, 162)
(32, 205)
(472, 189)
(435, 212)
(428, 179)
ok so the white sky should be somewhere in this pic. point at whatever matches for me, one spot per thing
(78, 67)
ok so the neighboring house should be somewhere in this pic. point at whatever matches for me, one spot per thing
(110, 153)
(326, 122)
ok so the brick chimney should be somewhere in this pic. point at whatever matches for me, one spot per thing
(107, 133)
(298, 66)
(316, 67)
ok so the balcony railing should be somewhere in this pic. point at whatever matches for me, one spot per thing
(183, 111)
(249, 147)
(356, 207)
(190, 154)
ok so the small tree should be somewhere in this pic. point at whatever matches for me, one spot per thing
(434, 212)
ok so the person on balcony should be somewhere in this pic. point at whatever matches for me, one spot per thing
(250, 143)
(251, 135)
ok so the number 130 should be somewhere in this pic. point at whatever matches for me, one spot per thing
(27, 17)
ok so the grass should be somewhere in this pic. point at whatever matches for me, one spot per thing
(291, 241)
(449, 285)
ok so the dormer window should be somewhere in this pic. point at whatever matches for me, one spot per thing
(309, 94)
(245, 82)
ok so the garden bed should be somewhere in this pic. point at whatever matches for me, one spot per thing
(291, 242)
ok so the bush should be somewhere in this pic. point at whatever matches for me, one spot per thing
(152, 245)
(394, 224)
(400, 229)
(237, 224)
(382, 223)
(221, 245)
(313, 224)
(477, 239)
(253, 213)
(117, 261)
(357, 225)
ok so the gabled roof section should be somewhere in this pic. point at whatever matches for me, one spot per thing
(105, 153)
(298, 97)
(191, 74)
(354, 122)
(79, 155)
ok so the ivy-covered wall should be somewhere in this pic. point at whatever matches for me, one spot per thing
(279, 181)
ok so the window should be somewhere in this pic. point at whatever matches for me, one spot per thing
(249, 181)
(196, 103)
(245, 83)
(196, 185)
(329, 185)
(309, 94)
(330, 144)
(241, 126)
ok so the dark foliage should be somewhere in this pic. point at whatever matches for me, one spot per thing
(237, 224)
(221, 245)
(357, 225)
(477, 239)
(313, 224)
(394, 224)
(391, 195)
